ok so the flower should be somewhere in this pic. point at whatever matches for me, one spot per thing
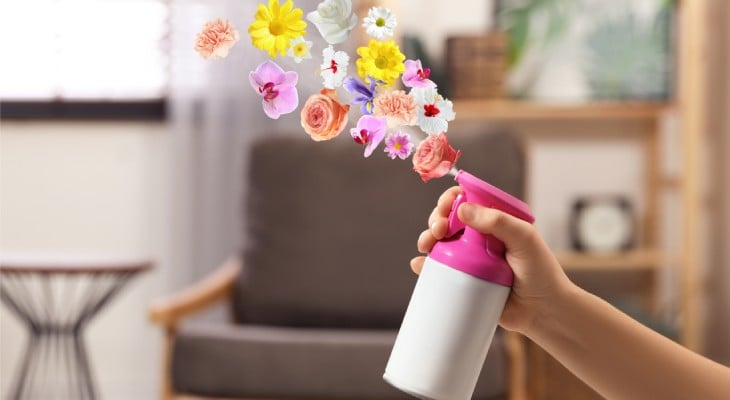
(275, 27)
(334, 67)
(216, 39)
(380, 60)
(417, 76)
(434, 157)
(334, 20)
(323, 117)
(299, 49)
(369, 132)
(434, 111)
(396, 106)
(379, 23)
(278, 88)
(366, 94)
(398, 145)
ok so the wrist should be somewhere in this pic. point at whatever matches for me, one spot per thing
(549, 316)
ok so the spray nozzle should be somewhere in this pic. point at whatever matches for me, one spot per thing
(473, 252)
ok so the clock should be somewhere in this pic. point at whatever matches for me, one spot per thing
(602, 224)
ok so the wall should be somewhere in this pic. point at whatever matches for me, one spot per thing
(101, 187)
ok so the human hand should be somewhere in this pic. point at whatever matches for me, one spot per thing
(539, 278)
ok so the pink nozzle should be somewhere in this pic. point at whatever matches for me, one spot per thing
(473, 252)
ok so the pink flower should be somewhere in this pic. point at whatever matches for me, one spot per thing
(277, 87)
(434, 157)
(369, 132)
(216, 39)
(398, 107)
(323, 117)
(417, 76)
(398, 145)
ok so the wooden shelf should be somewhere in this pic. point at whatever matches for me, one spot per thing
(509, 110)
(641, 259)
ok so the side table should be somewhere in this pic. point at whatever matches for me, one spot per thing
(55, 297)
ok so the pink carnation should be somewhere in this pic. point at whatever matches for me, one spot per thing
(216, 39)
(398, 107)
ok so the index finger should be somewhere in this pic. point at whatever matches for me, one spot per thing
(443, 206)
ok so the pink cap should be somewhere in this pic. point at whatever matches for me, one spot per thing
(473, 252)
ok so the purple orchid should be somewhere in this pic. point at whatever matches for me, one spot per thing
(417, 76)
(370, 131)
(366, 95)
(277, 87)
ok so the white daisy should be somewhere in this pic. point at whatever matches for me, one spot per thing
(299, 49)
(434, 111)
(380, 23)
(334, 67)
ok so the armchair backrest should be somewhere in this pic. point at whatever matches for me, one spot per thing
(330, 234)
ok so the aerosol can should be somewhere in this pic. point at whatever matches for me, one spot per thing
(456, 304)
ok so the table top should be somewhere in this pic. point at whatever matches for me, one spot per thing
(71, 263)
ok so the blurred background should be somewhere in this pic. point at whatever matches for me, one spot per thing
(116, 138)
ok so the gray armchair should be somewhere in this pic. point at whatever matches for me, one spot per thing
(319, 289)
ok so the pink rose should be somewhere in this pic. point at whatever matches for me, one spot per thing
(216, 39)
(323, 116)
(434, 157)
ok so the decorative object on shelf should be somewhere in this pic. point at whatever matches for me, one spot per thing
(574, 50)
(602, 224)
(477, 65)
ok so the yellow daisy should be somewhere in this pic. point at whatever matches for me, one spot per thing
(380, 60)
(275, 26)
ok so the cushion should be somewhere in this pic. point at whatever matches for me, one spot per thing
(271, 362)
(329, 234)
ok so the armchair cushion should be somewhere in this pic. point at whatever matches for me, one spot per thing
(275, 362)
(330, 234)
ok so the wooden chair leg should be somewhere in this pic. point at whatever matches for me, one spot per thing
(515, 345)
(167, 393)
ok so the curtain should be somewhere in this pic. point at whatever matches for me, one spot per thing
(215, 115)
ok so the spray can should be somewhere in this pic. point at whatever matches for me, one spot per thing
(456, 304)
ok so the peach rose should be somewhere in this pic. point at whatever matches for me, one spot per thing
(323, 116)
(434, 157)
(216, 39)
(398, 107)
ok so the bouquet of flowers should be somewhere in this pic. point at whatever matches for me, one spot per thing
(280, 31)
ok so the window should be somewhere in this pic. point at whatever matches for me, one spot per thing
(68, 55)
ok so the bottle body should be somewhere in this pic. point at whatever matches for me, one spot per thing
(446, 333)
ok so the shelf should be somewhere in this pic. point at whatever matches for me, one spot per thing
(509, 110)
(641, 259)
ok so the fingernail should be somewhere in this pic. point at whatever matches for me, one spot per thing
(467, 211)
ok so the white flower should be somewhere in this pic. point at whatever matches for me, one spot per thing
(299, 49)
(434, 111)
(379, 23)
(334, 67)
(334, 20)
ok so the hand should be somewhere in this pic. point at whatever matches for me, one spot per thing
(539, 278)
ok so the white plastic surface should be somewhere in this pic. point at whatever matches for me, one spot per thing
(445, 334)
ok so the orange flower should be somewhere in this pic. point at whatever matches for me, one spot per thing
(396, 106)
(323, 116)
(434, 157)
(216, 39)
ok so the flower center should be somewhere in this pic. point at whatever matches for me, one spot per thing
(380, 22)
(300, 49)
(397, 145)
(430, 110)
(333, 66)
(381, 62)
(268, 91)
(364, 137)
(424, 73)
(276, 27)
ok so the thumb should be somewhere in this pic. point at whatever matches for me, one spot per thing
(511, 230)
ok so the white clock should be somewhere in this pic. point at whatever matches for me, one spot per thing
(602, 224)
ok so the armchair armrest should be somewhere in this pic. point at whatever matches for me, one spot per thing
(214, 288)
